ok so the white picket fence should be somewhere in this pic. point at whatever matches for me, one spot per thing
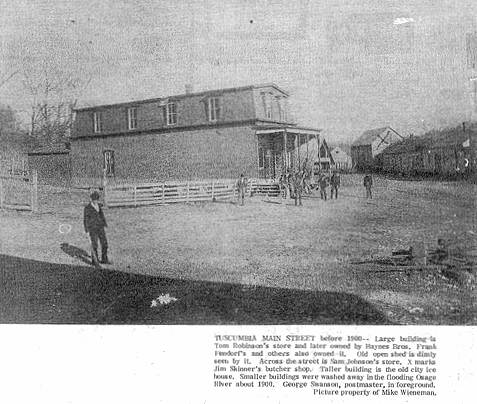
(180, 192)
(19, 192)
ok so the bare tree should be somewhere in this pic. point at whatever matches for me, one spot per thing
(54, 96)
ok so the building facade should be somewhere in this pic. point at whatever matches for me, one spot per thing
(369, 145)
(445, 153)
(341, 159)
(212, 134)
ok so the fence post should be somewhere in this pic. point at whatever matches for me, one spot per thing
(1, 192)
(163, 191)
(135, 197)
(213, 196)
(187, 197)
(34, 191)
(105, 187)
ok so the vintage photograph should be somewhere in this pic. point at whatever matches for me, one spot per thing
(236, 162)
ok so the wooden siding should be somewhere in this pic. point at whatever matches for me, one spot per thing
(447, 161)
(183, 155)
(362, 157)
(191, 111)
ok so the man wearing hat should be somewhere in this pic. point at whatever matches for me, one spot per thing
(241, 186)
(94, 224)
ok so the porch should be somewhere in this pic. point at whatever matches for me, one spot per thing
(287, 148)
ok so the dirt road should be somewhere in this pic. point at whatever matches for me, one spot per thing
(270, 243)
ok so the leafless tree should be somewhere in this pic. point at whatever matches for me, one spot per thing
(54, 96)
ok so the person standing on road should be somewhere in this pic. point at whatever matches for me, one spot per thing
(335, 182)
(94, 224)
(323, 183)
(368, 184)
(298, 182)
(241, 186)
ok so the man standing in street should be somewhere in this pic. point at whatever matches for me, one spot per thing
(298, 185)
(368, 184)
(335, 182)
(323, 183)
(241, 186)
(94, 224)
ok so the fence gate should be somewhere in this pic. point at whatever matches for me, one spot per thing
(19, 192)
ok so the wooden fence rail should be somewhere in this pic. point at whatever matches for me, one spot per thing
(181, 192)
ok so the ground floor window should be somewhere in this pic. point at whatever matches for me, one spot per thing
(108, 165)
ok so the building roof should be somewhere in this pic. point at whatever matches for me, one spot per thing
(369, 136)
(175, 97)
(445, 138)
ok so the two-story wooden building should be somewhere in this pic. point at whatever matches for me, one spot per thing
(211, 134)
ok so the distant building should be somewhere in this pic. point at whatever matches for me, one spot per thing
(341, 159)
(370, 144)
(444, 153)
(211, 134)
(52, 163)
(317, 154)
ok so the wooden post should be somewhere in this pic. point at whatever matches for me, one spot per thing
(34, 191)
(296, 152)
(1, 192)
(105, 187)
(187, 197)
(163, 191)
(285, 149)
(213, 183)
(135, 197)
(319, 152)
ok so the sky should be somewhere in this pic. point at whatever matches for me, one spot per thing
(349, 65)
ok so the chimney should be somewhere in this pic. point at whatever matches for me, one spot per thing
(188, 88)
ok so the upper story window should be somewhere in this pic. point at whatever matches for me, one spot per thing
(132, 118)
(281, 115)
(213, 108)
(97, 122)
(267, 105)
(171, 113)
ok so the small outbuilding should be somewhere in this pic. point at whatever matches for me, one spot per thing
(369, 145)
(52, 163)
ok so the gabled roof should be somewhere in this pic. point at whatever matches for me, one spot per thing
(176, 97)
(369, 136)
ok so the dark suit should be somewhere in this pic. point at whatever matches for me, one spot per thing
(368, 183)
(335, 184)
(94, 224)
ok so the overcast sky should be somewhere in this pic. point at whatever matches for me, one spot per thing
(350, 65)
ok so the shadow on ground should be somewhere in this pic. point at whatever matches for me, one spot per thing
(76, 252)
(41, 292)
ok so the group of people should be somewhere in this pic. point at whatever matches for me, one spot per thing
(294, 185)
